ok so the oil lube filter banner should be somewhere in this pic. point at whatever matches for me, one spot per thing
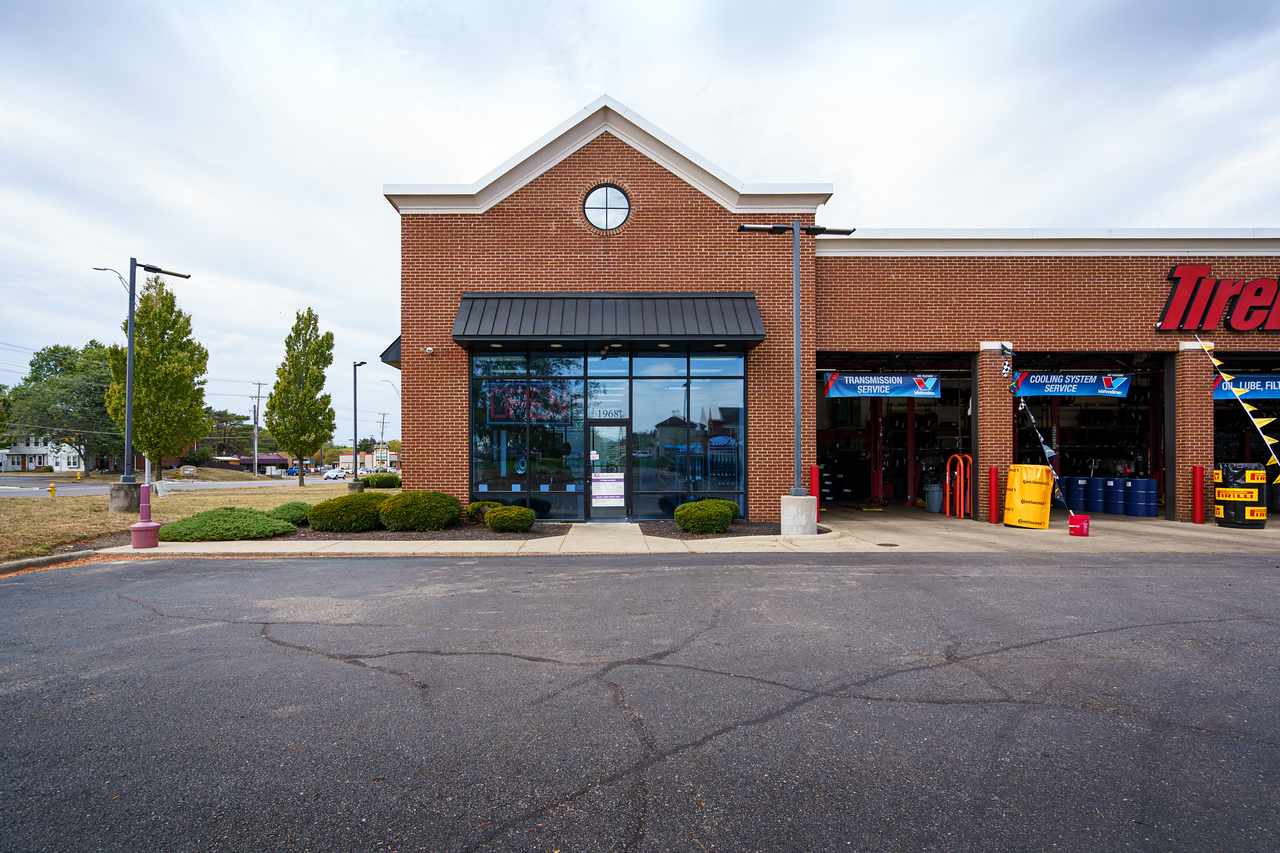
(1027, 496)
(1027, 383)
(927, 385)
(1240, 495)
(1258, 386)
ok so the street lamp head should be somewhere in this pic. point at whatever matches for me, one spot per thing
(764, 229)
(360, 363)
(154, 270)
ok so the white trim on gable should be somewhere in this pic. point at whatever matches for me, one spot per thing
(607, 115)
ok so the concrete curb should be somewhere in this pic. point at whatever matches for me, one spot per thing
(49, 560)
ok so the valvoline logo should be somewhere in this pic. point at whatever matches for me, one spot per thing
(1114, 386)
(924, 384)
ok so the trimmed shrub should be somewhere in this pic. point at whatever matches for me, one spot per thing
(384, 480)
(294, 512)
(347, 514)
(223, 524)
(510, 519)
(475, 509)
(711, 515)
(420, 511)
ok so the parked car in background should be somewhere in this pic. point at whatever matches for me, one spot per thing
(291, 472)
(335, 474)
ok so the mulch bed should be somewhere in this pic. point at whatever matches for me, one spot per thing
(465, 531)
(671, 530)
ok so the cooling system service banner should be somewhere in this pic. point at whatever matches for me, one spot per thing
(1030, 384)
(1257, 386)
(883, 385)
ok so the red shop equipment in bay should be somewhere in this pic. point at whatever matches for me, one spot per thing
(959, 494)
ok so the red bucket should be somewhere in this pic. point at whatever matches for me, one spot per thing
(1079, 525)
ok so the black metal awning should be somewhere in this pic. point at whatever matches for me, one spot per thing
(699, 319)
(391, 355)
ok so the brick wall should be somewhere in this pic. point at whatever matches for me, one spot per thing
(676, 239)
(1039, 304)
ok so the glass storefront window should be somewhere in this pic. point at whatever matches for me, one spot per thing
(659, 433)
(659, 364)
(530, 418)
(555, 363)
(728, 364)
(498, 365)
(608, 398)
(555, 436)
(499, 417)
(716, 436)
(614, 364)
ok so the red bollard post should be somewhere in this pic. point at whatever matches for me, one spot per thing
(993, 492)
(814, 480)
(1197, 494)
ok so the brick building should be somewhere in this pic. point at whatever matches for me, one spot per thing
(586, 331)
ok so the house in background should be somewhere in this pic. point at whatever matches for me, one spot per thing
(37, 452)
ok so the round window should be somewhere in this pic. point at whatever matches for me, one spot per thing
(606, 207)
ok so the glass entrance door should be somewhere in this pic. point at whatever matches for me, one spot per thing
(608, 466)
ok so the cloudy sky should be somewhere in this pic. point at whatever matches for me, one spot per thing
(247, 143)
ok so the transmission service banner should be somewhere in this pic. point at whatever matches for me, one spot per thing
(882, 385)
(1027, 383)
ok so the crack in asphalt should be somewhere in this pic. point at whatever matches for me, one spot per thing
(634, 775)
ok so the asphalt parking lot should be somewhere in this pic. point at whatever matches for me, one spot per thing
(837, 702)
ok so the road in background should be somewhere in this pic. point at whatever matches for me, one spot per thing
(28, 485)
(868, 702)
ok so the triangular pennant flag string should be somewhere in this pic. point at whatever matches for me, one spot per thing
(1049, 453)
(1271, 442)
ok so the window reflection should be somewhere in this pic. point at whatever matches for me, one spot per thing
(728, 364)
(659, 435)
(716, 436)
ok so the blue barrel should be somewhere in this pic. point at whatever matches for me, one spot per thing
(1132, 497)
(1075, 489)
(1094, 497)
(1113, 488)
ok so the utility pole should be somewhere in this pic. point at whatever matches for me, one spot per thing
(382, 433)
(257, 401)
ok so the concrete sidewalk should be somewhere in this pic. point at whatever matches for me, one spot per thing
(850, 531)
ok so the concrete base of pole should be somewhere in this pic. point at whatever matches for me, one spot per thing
(124, 497)
(352, 488)
(145, 534)
(799, 515)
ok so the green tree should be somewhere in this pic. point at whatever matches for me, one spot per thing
(5, 429)
(366, 445)
(168, 377)
(62, 398)
(332, 455)
(299, 414)
(231, 434)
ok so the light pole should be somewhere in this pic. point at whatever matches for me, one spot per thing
(795, 229)
(355, 422)
(127, 476)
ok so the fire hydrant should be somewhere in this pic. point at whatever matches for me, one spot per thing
(53, 490)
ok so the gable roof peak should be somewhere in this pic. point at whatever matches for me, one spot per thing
(600, 116)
